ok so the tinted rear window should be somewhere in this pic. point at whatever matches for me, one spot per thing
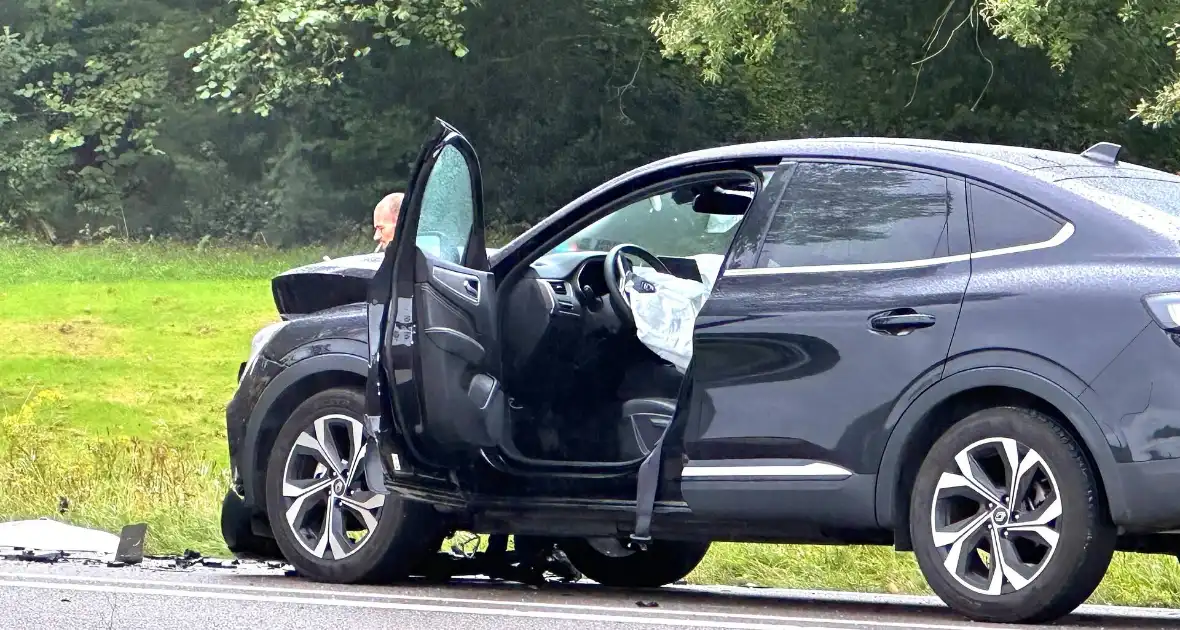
(1160, 194)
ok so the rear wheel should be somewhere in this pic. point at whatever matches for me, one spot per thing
(326, 519)
(610, 563)
(1008, 519)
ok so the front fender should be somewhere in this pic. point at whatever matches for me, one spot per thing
(282, 391)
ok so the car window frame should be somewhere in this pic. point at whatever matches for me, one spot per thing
(958, 237)
(571, 219)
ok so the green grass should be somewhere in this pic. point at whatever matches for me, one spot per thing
(115, 365)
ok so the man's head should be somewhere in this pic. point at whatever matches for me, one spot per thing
(385, 219)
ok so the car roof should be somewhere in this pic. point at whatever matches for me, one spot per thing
(1057, 164)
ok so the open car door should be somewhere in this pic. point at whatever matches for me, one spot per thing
(438, 352)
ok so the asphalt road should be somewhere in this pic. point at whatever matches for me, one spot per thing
(157, 594)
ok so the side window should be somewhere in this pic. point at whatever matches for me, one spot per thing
(448, 208)
(999, 221)
(849, 214)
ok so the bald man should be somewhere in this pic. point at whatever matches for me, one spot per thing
(385, 219)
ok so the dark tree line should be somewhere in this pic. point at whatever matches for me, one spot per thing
(285, 121)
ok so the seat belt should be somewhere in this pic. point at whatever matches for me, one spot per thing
(645, 494)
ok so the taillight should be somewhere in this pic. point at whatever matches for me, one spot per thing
(1165, 310)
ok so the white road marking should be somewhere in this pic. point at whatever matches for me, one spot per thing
(454, 610)
(358, 594)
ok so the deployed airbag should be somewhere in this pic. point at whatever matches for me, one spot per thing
(665, 309)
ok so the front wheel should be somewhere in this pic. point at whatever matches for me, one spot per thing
(1008, 518)
(609, 563)
(328, 522)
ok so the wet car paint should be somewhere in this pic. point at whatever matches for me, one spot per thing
(1136, 424)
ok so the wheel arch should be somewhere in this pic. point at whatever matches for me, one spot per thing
(957, 395)
(298, 382)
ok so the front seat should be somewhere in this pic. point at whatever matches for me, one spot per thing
(644, 423)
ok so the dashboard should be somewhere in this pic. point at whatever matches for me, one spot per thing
(558, 321)
(577, 279)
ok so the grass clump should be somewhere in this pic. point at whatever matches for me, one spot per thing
(107, 483)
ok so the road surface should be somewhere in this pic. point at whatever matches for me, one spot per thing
(158, 594)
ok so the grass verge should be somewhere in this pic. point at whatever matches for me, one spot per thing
(115, 365)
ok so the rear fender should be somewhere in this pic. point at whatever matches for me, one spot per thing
(910, 422)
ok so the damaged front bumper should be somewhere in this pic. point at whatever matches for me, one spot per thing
(252, 383)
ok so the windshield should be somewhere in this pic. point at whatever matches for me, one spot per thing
(1161, 194)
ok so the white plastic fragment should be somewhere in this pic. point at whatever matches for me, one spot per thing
(50, 535)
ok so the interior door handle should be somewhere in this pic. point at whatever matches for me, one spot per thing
(471, 287)
(900, 321)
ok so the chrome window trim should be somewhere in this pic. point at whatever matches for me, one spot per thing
(1062, 235)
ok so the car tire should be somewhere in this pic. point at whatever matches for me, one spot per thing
(398, 534)
(1053, 531)
(238, 532)
(663, 562)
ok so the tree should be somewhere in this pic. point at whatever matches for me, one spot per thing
(714, 34)
(275, 49)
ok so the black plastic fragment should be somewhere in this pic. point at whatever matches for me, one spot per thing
(189, 558)
(48, 557)
(131, 539)
(643, 604)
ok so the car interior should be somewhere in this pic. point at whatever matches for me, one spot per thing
(583, 388)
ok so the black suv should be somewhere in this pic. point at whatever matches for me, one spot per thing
(966, 351)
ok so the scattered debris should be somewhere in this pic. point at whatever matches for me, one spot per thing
(130, 550)
(533, 562)
(530, 563)
(187, 560)
(63, 505)
(48, 557)
(643, 604)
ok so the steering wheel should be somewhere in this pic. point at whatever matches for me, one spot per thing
(615, 268)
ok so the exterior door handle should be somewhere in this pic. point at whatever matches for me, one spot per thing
(901, 321)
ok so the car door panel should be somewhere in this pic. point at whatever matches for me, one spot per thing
(457, 388)
(439, 347)
(796, 375)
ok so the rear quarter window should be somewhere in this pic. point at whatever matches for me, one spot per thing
(999, 221)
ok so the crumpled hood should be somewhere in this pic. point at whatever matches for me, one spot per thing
(326, 284)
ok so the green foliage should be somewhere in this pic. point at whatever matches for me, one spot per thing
(275, 49)
(712, 34)
(284, 121)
